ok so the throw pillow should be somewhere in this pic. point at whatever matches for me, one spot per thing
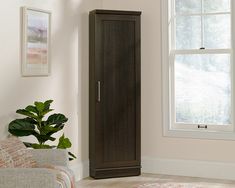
(14, 154)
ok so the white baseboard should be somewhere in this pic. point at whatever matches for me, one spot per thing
(203, 169)
(191, 168)
(81, 170)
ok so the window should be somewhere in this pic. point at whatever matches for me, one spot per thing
(198, 65)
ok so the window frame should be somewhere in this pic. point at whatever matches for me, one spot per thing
(180, 130)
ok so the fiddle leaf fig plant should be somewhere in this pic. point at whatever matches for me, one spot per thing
(35, 124)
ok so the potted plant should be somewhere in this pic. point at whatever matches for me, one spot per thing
(35, 124)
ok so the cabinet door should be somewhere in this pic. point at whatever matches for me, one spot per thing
(118, 91)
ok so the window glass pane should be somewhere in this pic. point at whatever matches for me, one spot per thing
(187, 6)
(188, 32)
(217, 31)
(203, 89)
(214, 6)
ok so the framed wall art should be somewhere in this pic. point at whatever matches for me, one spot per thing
(36, 34)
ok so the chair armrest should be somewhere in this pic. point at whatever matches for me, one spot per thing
(27, 178)
(50, 156)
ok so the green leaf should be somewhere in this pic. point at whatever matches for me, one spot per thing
(28, 145)
(40, 106)
(43, 138)
(61, 126)
(26, 113)
(49, 130)
(72, 155)
(22, 127)
(43, 146)
(31, 120)
(36, 126)
(38, 146)
(46, 111)
(47, 104)
(31, 108)
(64, 143)
(56, 119)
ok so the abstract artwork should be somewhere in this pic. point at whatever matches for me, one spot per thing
(36, 42)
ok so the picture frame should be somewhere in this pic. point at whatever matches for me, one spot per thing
(36, 41)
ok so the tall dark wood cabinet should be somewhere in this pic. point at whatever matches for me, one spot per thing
(114, 93)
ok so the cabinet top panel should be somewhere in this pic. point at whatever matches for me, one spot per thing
(118, 12)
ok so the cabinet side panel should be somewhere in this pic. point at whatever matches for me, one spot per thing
(138, 86)
(92, 101)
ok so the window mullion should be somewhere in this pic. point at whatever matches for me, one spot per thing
(204, 14)
(205, 51)
(232, 63)
(202, 24)
(172, 88)
(173, 26)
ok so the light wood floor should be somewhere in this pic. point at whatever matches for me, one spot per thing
(132, 182)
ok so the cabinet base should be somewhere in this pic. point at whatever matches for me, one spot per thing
(115, 172)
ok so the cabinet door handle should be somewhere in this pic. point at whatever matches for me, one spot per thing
(98, 90)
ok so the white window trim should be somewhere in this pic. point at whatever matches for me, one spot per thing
(166, 88)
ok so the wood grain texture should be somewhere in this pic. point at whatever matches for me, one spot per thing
(115, 119)
(119, 91)
(115, 12)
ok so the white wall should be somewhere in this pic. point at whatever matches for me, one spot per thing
(68, 83)
(154, 145)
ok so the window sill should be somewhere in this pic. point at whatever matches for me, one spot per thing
(199, 134)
